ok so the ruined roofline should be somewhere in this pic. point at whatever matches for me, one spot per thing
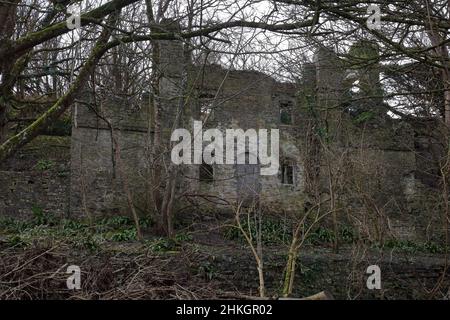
(218, 70)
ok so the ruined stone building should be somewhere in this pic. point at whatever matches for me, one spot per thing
(322, 138)
(351, 155)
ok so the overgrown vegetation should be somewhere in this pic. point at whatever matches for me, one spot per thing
(412, 247)
(279, 232)
(45, 228)
(44, 165)
(272, 231)
(93, 241)
(80, 233)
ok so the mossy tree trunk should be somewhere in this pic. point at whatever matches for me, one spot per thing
(8, 13)
(14, 57)
(27, 42)
(11, 145)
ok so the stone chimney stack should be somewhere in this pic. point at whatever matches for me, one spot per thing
(329, 77)
(170, 65)
(364, 63)
(171, 55)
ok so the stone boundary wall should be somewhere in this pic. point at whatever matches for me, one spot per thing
(37, 179)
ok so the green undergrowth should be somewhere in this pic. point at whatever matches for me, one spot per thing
(412, 247)
(163, 245)
(45, 228)
(279, 232)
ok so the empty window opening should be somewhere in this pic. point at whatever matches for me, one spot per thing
(206, 106)
(286, 112)
(206, 173)
(206, 109)
(287, 174)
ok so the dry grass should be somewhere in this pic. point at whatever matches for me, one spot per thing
(40, 273)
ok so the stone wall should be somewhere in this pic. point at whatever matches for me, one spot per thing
(240, 99)
(372, 158)
(98, 166)
(343, 275)
(249, 100)
(37, 179)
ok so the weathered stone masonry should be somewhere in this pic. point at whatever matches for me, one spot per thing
(381, 152)
(377, 156)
